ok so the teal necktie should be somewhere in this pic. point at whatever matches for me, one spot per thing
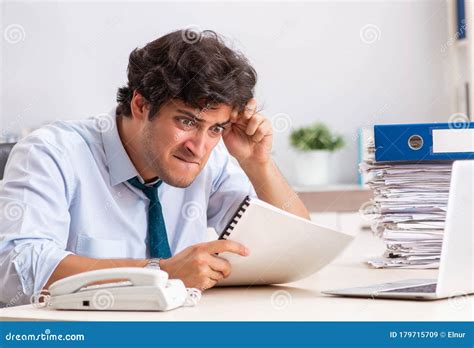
(157, 238)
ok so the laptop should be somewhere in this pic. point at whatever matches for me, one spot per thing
(456, 269)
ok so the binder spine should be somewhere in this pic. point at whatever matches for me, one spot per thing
(424, 142)
(233, 222)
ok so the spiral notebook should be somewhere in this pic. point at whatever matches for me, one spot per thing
(283, 247)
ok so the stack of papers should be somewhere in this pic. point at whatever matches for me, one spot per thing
(408, 211)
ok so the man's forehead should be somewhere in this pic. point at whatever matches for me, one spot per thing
(212, 113)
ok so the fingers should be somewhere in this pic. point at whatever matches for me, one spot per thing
(234, 116)
(206, 277)
(264, 129)
(198, 266)
(220, 246)
(250, 108)
(254, 124)
(214, 276)
(207, 285)
(220, 265)
(258, 128)
(218, 268)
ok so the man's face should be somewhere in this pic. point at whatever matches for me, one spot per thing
(178, 141)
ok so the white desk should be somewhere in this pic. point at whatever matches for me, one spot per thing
(301, 300)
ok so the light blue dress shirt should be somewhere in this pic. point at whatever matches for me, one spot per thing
(65, 191)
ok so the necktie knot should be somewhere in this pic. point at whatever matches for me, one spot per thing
(150, 191)
(157, 237)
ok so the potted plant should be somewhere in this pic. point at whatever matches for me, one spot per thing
(313, 145)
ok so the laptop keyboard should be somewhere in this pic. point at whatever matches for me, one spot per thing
(423, 288)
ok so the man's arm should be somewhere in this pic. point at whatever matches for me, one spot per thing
(249, 140)
(197, 266)
(73, 264)
(271, 187)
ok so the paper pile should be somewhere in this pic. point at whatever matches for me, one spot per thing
(408, 211)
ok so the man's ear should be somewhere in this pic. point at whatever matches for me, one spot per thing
(139, 106)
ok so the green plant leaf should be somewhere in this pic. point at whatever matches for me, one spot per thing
(316, 137)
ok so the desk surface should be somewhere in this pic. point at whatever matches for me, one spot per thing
(300, 300)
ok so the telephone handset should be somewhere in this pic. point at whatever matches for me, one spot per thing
(137, 276)
(145, 289)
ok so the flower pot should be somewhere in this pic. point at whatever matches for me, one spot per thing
(311, 167)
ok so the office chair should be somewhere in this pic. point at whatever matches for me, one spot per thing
(4, 153)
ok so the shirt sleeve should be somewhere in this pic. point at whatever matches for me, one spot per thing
(230, 186)
(34, 219)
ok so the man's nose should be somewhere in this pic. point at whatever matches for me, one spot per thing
(197, 145)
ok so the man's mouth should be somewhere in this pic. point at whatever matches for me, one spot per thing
(186, 160)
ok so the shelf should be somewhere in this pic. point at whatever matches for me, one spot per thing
(329, 188)
(462, 43)
(338, 198)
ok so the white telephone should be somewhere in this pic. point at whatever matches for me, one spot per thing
(145, 289)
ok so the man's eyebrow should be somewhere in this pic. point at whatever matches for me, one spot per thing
(223, 123)
(190, 114)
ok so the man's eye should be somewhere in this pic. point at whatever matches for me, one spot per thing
(217, 129)
(188, 123)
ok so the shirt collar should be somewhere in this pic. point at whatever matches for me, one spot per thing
(120, 166)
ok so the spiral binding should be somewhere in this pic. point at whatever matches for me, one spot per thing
(235, 219)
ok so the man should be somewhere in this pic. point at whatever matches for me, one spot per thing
(139, 187)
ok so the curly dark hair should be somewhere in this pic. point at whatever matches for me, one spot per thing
(195, 67)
